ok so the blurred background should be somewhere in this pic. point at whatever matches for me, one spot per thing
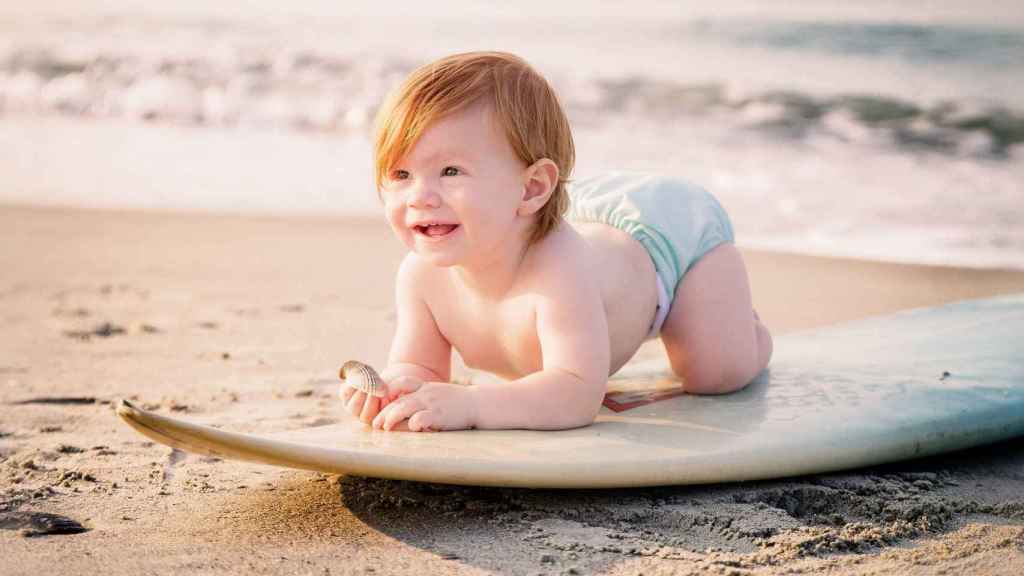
(883, 130)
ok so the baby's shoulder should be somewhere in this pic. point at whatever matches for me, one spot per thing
(417, 274)
(560, 257)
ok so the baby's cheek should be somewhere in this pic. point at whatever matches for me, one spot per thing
(393, 214)
(396, 219)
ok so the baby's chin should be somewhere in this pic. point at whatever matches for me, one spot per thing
(439, 258)
(436, 259)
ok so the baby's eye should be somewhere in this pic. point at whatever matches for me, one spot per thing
(450, 171)
(399, 174)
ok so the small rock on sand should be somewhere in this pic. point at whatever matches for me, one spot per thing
(105, 330)
(58, 400)
(39, 523)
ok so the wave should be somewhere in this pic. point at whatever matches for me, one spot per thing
(913, 42)
(310, 91)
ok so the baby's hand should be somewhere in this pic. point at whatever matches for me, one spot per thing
(365, 407)
(430, 406)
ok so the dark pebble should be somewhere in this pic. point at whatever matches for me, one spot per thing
(69, 449)
(39, 523)
(58, 400)
(105, 330)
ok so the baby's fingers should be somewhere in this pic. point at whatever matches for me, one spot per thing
(395, 413)
(401, 386)
(370, 409)
(355, 403)
(422, 421)
(345, 392)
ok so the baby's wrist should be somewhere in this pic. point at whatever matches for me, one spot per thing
(400, 369)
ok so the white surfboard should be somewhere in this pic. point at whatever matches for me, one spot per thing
(879, 390)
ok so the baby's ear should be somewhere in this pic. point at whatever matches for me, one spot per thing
(539, 183)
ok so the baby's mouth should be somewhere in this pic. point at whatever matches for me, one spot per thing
(435, 230)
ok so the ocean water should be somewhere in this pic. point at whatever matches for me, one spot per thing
(883, 130)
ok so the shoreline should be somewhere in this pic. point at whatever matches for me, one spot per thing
(112, 163)
(364, 219)
(823, 290)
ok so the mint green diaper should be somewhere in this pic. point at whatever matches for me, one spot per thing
(676, 221)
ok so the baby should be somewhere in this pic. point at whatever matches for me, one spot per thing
(548, 283)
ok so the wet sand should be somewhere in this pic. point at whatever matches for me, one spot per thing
(243, 321)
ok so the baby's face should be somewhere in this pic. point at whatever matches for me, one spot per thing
(455, 196)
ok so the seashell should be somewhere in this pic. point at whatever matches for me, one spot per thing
(363, 378)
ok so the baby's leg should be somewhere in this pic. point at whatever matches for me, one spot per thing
(714, 340)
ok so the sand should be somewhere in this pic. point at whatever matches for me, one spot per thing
(244, 321)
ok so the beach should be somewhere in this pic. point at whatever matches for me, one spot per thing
(188, 221)
(242, 321)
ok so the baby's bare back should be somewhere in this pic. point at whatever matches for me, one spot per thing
(628, 283)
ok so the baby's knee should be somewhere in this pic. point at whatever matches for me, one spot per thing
(724, 371)
(709, 378)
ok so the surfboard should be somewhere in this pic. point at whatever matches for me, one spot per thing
(883, 389)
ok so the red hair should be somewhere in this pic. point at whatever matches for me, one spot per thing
(520, 98)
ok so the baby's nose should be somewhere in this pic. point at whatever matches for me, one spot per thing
(424, 195)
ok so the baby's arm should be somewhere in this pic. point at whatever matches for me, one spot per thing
(418, 350)
(566, 392)
(573, 333)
